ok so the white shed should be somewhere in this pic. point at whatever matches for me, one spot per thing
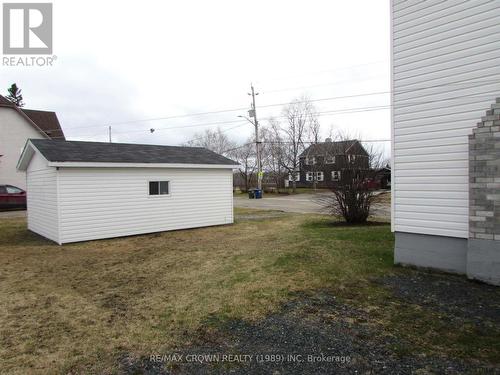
(78, 191)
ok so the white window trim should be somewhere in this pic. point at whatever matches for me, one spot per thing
(339, 176)
(309, 176)
(310, 158)
(320, 176)
(297, 176)
(156, 196)
(327, 157)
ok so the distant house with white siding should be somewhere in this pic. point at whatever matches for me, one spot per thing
(446, 135)
(78, 191)
(16, 126)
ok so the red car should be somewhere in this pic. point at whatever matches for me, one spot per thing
(12, 197)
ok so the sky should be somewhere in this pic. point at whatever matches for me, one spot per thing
(155, 64)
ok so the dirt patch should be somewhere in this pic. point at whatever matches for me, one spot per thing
(309, 335)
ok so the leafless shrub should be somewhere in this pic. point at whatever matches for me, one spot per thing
(353, 194)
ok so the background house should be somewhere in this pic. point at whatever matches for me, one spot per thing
(81, 191)
(445, 78)
(17, 125)
(326, 163)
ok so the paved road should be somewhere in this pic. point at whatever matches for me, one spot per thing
(301, 203)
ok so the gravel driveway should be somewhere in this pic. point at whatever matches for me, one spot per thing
(301, 203)
(315, 333)
(12, 213)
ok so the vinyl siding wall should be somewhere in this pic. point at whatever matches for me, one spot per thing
(445, 75)
(111, 202)
(42, 198)
(14, 132)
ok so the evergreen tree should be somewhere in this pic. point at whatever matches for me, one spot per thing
(15, 95)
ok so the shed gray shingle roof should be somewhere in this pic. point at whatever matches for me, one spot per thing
(100, 152)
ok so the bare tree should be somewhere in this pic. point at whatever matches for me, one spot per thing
(214, 140)
(272, 152)
(246, 157)
(298, 116)
(315, 163)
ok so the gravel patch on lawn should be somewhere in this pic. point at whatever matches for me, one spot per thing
(340, 338)
(456, 296)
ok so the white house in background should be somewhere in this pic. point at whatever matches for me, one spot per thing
(81, 191)
(17, 125)
(446, 139)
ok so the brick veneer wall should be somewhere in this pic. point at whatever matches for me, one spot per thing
(484, 174)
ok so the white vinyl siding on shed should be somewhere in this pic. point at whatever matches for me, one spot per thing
(42, 211)
(112, 202)
(445, 75)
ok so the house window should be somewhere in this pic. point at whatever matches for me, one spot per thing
(330, 159)
(296, 175)
(351, 158)
(318, 176)
(310, 160)
(159, 187)
(335, 175)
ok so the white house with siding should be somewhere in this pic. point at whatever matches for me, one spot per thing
(17, 125)
(445, 132)
(78, 191)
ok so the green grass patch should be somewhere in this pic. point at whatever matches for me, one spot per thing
(77, 308)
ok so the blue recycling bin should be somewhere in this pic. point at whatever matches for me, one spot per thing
(255, 193)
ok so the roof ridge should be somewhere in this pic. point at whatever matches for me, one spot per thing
(118, 143)
(105, 152)
(36, 110)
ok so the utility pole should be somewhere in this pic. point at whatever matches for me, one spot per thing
(109, 133)
(253, 113)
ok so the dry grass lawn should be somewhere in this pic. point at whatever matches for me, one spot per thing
(77, 308)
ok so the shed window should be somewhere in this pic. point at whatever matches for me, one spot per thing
(158, 187)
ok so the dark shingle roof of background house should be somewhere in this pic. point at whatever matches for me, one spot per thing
(332, 148)
(5, 101)
(100, 152)
(46, 121)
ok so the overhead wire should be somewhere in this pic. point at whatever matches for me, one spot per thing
(376, 93)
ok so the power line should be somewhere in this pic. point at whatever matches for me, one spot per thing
(297, 101)
(222, 131)
(319, 114)
(313, 86)
(303, 74)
